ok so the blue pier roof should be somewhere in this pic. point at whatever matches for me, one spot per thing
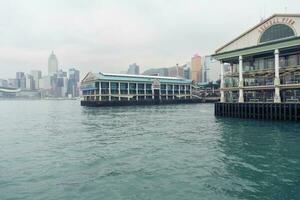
(133, 78)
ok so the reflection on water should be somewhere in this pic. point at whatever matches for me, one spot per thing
(59, 150)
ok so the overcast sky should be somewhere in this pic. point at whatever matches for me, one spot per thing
(108, 35)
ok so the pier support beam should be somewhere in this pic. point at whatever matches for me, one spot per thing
(241, 80)
(277, 98)
(222, 100)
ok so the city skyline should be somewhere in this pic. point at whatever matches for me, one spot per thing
(108, 36)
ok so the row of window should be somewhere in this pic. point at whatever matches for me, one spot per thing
(289, 95)
(141, 86)
(147, 92)
(137, 98)
(265, 63)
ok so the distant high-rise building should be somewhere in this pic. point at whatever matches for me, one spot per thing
(187, 71)
(157, 72)
(52, 64)
(196, 68)
(29, 82)
(73, 83)
(36, 75)
(211, 69)
(21, 80)
(175, 71)
(133, 69)
(3, 83)
(13, 83)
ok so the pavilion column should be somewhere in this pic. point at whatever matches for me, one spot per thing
(119, 84)
(137, 91)
(167, 91)
(241, 80)
(100, 91)
(173, 91)
(277, 98)
(128, 91)
(145, 92)
(109, 91)
(222, 100)
(185, 91)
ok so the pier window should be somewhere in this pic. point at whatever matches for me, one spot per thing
(276, 32)
(104, 87)
(170, 89)
(149, 89)
(182, 89)
(132, 88)
(141, 98)
(113, 98)
(176, 89)
(188, 89)
(114, 88)
(163, 88)
(141, 88)
(291, 95)
(124, 88)
(292, 60)
(104, 98)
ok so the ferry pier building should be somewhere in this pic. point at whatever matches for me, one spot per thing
(260, 71)
(105, 89)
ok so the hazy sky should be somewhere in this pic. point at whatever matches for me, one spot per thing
(108, 35)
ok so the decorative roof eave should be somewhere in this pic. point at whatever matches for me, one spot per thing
(256, 26)
(270, 46)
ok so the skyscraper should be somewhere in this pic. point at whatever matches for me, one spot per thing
(21, 80)
(196, 68)
(133, 69)
(37, 75)
(74, 78)
(52, 64)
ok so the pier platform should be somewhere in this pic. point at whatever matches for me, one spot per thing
(260, 111)
(135, 103)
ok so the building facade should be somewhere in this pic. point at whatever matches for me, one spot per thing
(133, 69)
(73, 85)
(263, 64)
(196, 68)
(123, 88)
(52, 64)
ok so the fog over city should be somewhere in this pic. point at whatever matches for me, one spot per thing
(109, 35)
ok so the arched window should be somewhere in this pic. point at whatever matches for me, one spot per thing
(275, 32)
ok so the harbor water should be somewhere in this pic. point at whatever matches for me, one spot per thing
(60, 150)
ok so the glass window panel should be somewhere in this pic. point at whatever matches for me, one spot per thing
(277, 31)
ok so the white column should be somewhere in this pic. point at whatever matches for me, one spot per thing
(173, 91)
(222, 100)
(100, 92)
(128, 92)
(145, 91)
(277, 98)
(167, 92)
(119, 91)
(185, 91)
(241, 80)
(109, 91)
(136, 91)
(160, 92)
(179, 86)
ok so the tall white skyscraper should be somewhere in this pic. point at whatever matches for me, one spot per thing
(52, 64)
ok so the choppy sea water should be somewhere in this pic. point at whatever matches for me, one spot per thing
(59, 150)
